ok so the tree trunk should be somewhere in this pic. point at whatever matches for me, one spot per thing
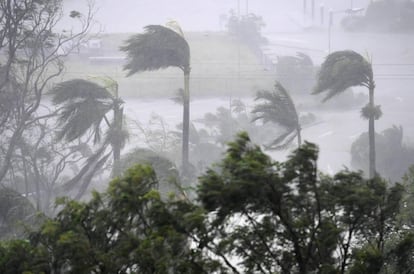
(116, 144)
(14, 140)
(186, 121)
(371, 133)
(118, 135)
(299, 136)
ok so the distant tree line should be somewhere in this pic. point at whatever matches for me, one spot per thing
(247, 28)
(383, 16)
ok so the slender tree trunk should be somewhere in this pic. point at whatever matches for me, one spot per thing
(371, 133)
(118, 121)
(37, 179)
(116, 144)
(298, 130)
(26, 181)
(14, 140)
(186, 121)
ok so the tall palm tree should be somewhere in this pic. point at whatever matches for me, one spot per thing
(342, 70)
(157, 48)
(278, 107)
(84, 108)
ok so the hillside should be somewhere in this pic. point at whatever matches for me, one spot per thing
(219, 65)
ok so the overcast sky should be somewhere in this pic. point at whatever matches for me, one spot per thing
(202, 15)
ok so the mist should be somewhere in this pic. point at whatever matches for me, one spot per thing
(189, 136)
(289, 28)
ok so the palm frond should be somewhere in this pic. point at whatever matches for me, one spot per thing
(283, 140)
(87, 179)
(76, 89)
(79, 117)
(157, 48)
(342, 70)
(84, 106)
(276, 107)
(86, 169)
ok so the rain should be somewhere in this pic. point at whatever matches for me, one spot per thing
(97, 94)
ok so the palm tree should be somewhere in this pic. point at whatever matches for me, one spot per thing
(84, 108)
(278, 107)
(157, 48)
(342, 70)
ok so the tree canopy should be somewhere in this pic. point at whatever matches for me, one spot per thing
(253, 215)
(278, 107)
(157, 48)
(342, 70)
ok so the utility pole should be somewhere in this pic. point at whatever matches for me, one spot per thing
(329, 30)
(304, 7)
(322, 13)
(313, 9)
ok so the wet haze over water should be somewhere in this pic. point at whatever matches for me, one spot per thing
(204, 15)
(288, 31)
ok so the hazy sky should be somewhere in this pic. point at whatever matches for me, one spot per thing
(202, 15)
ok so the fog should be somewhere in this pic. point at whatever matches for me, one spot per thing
(198, 15)
(290, 27)
(236, 49)
(214, 136)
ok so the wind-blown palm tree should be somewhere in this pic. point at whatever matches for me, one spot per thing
(278, 107)
(157, 48)
(84, 108)
(342, 70)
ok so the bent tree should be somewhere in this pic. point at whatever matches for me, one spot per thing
(342, 70)
(157, 48)
(84, 108)
(278, 107)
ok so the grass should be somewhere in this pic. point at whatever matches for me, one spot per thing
(220, 66)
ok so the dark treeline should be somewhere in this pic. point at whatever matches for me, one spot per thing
(250, 214)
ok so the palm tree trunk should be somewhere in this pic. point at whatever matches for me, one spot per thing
(118, 120)
(299, 136)
(116, 145)
(371, 133)
(186, 121)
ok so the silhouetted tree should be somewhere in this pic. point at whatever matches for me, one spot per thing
(32, 51)
(84, 108)
(157, 48)
(342, 70)
(278, 107)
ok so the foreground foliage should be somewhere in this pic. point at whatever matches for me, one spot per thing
(253, 215)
